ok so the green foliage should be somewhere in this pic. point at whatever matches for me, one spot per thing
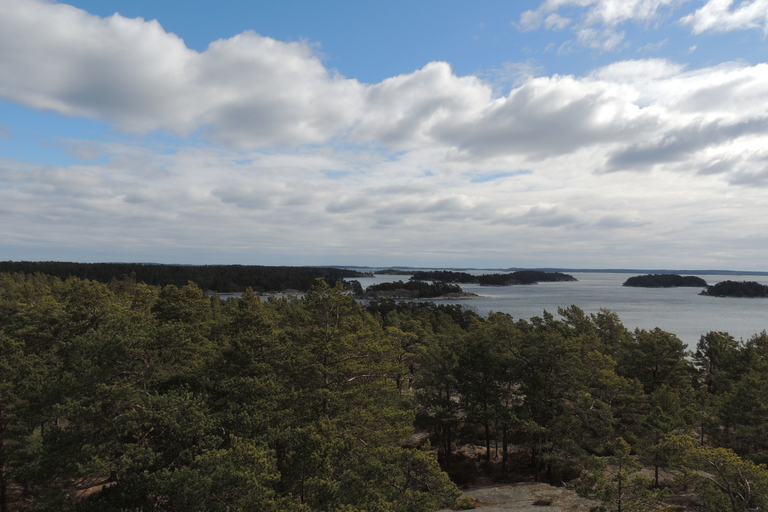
(655, 358)
(615, 481)
(725, 481)
(411, 289)
(125, 396)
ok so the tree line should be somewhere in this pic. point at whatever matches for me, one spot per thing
(217, 278)
(126, 396)
(513, 278)
(747, 289)
(408, 290)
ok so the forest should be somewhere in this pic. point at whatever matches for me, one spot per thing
(748, 289)
(216, 278)
(405, 290)
(128, 396)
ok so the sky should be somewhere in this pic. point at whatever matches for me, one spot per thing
(424, 133)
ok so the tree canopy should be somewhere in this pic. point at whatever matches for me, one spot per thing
(127, 396)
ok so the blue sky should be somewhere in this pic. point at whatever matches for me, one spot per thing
(569, 133)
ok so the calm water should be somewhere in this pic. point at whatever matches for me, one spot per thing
(681, 311)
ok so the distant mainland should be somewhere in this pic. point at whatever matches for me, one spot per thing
(423, 283)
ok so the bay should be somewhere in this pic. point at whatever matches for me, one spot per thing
(681, 311)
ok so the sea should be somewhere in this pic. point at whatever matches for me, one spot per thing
(681, 311)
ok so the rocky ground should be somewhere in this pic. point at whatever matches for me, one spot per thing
(528, 497)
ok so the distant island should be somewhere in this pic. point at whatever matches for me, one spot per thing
(411, 290)
(519, 277)
(747, 289)
(665, 281)
(394, 272)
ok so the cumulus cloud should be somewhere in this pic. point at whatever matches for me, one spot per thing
(204, 199)
(723, 16)
(406, 163)
(401, 111)
(250, 91)
(548, 116)
(246, 91)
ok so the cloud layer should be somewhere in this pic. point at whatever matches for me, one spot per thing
(640, 157)
(597, 23)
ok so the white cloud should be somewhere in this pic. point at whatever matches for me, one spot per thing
(721, 16)
(401, 111)
(247, 91)
(603, 40)
(556, 22)
(642, 148)
(597, 27)
(615, 12)
(250, 91)
(203, 199)
(605, 14)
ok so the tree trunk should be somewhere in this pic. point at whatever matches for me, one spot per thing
(448, 446)
(3, 477)
(504, 450)
(487, 441)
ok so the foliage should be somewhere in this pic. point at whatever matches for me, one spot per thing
(122, 397)
(724, 480)
(411, 289)
(620, 488)
(127, 396)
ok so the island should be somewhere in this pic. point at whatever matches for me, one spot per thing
(665, 281)
(393, 272)
(519, 277)
(747, 289)
(414, 290)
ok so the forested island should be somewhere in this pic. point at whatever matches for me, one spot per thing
(665, 281)
(410, 290)
(394, 272)
(129, 396)
(748, 289)
(215, 278)
(514, 278)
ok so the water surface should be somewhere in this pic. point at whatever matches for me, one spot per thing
(681, 311)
